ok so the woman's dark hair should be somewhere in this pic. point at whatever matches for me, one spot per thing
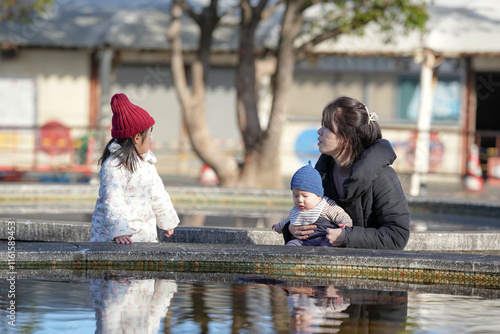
(355, 131)
(127, 155)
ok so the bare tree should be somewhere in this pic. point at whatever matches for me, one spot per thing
(261, 165)
(193, 100)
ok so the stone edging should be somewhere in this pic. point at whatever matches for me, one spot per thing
(80, 232)
(400, 266)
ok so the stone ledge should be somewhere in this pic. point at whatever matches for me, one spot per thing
(80, 232)
(403, 266)
(182, 252)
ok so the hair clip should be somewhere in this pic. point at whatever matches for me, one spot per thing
(372, 117)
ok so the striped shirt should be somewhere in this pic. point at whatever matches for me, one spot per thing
(326, 209)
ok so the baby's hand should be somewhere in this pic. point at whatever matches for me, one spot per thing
(169, 233)
(274, 228)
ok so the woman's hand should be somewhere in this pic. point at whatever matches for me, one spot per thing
(169, 233)
(301, 232)
(336, 236)
(123, 239)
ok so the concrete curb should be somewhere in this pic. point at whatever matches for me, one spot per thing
(469, 270)
(27, 252)
(26, 230)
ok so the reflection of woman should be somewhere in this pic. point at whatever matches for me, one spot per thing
(355, 168)
(335, 310)
(130, 306)
(376, 311)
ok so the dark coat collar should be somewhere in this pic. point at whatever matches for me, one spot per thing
(364, 170)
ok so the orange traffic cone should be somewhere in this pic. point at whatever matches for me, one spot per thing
(474, 178)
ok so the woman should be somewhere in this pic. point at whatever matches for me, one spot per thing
(355, 168)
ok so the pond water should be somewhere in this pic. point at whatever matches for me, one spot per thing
(132, 305)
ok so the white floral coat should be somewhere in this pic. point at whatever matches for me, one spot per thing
(131, 203)
(131, 306)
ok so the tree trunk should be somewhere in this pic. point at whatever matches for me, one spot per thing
(193, 102)
(262, 166)
(246, 86)
(252, 175)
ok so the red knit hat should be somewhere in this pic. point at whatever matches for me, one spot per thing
(128, 119)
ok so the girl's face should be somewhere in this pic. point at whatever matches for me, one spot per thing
(327, 140)
(143, 143)
(304, 200)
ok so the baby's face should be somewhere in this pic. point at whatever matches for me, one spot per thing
(304, 200)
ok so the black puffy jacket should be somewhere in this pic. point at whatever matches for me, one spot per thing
(374, 199)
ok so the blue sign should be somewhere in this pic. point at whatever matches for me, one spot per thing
(306, 146)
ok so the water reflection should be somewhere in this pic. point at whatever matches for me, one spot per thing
(129, 305)
(314, 309)
(195, 304)
(140, 306)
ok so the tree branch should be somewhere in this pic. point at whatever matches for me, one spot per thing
(356, 24)
(185, 7)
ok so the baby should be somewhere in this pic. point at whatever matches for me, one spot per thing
(311, 207)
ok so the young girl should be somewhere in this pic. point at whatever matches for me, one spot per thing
(132, 198)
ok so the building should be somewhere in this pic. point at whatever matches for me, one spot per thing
(57, 75)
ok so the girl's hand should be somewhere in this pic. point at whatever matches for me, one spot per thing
(336, 236)
(123, 239)
(169, 233)
(301, 232)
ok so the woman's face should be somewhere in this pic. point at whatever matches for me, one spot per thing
(143, 143)
(327, 140)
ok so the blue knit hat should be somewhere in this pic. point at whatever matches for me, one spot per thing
(308, 179)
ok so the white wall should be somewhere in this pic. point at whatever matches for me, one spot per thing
(62, 93)
(62, 79)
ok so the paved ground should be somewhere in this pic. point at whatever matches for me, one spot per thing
(456, 189)
(453, 188)
(490, 191)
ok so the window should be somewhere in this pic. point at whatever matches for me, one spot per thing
(446, 105)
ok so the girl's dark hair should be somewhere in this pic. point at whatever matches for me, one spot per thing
(355, 131)
(127, 155)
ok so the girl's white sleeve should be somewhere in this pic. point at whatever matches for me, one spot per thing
(166, 216)
(112, 201)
